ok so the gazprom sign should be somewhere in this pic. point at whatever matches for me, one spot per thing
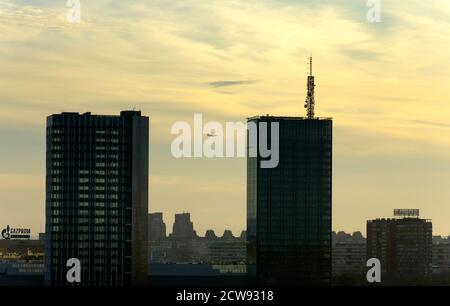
(16, 233)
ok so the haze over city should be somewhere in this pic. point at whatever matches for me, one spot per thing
(385, 85)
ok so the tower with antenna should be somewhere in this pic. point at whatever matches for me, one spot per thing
(307, 189)
(309, 103)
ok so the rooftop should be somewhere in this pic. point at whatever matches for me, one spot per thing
(279, 118)
(122, 113)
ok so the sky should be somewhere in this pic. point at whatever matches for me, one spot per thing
(385, 84)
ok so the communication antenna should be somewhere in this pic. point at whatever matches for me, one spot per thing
(309, 103)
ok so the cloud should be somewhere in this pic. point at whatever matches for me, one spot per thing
(231, 83)
(156, 56)
(430, 123)
(226, 92)
(23, 21)
(364, 55)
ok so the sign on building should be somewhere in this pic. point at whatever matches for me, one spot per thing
(406, 212)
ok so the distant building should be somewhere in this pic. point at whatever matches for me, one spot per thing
(183, 227)
(156, 227)
(348, 254)
(22, 249)
(441, 255)
(210, 234)
(159, 251)
(97, 198)
(404, 246)
(226, 251)
(227, 235)
(22, 267)
(184, 246)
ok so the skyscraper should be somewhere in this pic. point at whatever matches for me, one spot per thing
(97, 198)
(289, 206)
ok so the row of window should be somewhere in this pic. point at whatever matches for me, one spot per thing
(57, 222)
(84, 204)
(97, 164)
(81, 139)
(85, 212)
(99, 157)
(84, 180)
(84, 149)
(109, 172)
(86, 238)
(85, 229)
(112, 247)
(59, 196)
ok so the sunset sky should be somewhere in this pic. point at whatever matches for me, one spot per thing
(386, 85)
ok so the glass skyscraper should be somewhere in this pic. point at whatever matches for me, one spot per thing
(97, 198)
(289, 206)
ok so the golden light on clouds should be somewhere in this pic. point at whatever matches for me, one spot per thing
(385, 85)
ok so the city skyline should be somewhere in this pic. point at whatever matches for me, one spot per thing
(238, 59)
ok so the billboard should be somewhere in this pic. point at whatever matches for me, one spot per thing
(406, 212)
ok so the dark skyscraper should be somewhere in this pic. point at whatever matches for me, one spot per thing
(97, 198)
(289, 206)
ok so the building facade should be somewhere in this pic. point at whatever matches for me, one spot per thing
(156, 227)
(403, 246)
(441, 255)
(349, 254)
(289, 206)
(97, 198)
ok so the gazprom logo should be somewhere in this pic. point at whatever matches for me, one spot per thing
(16, 233)
(5, 233)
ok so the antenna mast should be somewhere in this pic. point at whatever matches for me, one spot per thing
(309, 103)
